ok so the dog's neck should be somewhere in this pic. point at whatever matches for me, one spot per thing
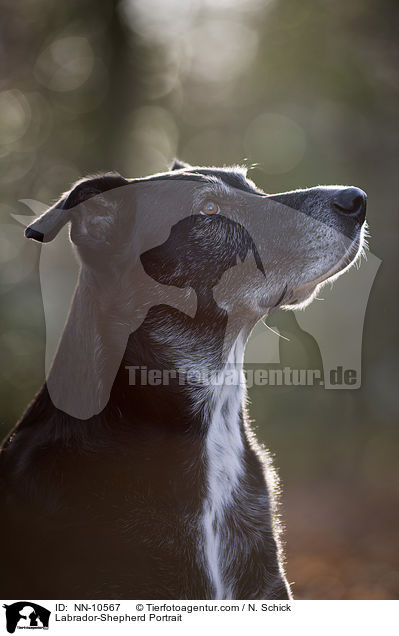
(177, 370)
(97, 349)
(170, 340)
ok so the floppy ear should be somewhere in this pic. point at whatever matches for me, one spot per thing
(179, 165)
(47, 226)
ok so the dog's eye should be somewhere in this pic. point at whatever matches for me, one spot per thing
(210, 207)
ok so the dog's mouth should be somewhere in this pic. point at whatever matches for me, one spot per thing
(295, 297)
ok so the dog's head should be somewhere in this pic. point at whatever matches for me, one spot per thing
(257, 251)
(191, 225)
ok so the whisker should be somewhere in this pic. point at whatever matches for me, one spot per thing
(275, 332)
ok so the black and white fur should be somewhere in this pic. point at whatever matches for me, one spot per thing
(165, 493)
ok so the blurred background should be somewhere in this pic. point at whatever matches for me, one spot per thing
(306, 90)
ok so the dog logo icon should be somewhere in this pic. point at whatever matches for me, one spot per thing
(26, 615)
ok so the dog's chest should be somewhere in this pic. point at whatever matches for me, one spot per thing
(224, 450)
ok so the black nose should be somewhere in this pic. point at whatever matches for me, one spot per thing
(351, 202)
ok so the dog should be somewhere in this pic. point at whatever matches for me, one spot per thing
(134, 472)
